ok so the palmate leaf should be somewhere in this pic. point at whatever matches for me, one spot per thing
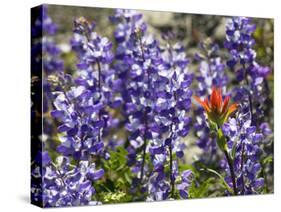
(118, 173)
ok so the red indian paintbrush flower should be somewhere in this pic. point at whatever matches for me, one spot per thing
(217, 109)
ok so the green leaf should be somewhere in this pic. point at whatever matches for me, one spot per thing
(220, 177)
(202, 190)
(115, 197)
(268, 159)
(118, 174)
(127, 177)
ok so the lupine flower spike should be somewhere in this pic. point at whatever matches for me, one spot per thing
(217, 109)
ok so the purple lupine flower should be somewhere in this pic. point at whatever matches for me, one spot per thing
(239, 41)
(127, 22)
(244, 141)
(46, 64)
(186, 180)
(249, 74)
(173, 102)
(95, 55)
(127, 71)
(249, 127)
(82, 108)
(156, 96)
(81, 125)
(45, 52)
(158, 186)
(133, 68)
(51, 52)
(68, 185)
(44, 28)
(89, 45)
(48, 25)
(141, 92)
(211, 74)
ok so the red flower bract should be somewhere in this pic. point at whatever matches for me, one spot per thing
(218, 110)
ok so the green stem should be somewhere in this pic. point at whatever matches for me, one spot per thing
(143, 157)
(264, 177)
(100, 93)
(221, 141)
(249, 94)
(171, 170)
(230, 164)
(242, 164)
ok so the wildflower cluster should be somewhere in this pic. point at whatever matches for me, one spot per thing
(123, 115)
(156, 97)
